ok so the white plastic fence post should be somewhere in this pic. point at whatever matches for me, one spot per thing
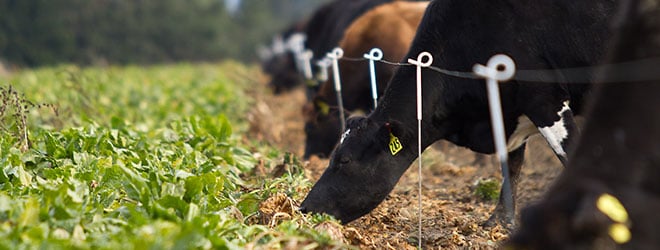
(306, 57)
(335, 55)
(323, 65)
(499, 68)
(374, 55)
(278, 45)
(424, 59)
(264, 53)
(296, 44)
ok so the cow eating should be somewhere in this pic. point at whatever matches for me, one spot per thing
(539, 35)
(390, 27)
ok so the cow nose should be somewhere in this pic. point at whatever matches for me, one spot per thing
(302, 209)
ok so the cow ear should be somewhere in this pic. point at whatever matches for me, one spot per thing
(587, 217)
(603, 214)
(321, 106)
(397, 129)
(393, 132)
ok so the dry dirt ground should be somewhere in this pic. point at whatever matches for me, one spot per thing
(452, 213)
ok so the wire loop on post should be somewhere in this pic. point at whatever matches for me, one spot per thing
(374, 54)
(499, 68)
(424, 59)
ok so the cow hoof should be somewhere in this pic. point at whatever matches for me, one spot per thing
(495, 220)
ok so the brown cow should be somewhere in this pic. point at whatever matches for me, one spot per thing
(390, 27)
(609, 196)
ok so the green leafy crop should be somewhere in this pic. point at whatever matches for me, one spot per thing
(487, 189)
(144, 158)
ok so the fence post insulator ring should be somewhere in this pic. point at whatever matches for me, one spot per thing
(374, 54)
(336, 53)
(420, 59)
(500, 68)
(424, 59)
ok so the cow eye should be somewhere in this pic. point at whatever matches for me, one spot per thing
(344, 160)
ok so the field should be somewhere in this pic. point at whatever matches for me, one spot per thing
(204, 156)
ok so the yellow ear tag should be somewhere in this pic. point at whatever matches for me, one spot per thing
(611, 207)
(395, 144)
(620, 233)
(324, 107)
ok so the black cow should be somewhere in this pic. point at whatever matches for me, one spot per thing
(537, 34)
(609, 196)
(390, 27)
(323, 31)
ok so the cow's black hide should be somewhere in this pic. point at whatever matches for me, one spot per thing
(618, 154)
(537, 34)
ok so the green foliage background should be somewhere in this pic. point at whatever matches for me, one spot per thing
(144, 158)
(48, 32)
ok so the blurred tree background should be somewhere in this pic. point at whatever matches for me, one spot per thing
(92, 32)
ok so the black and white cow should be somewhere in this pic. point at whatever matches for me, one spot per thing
(278, 61)
(322, 32)
(537, 34)
(609, 196)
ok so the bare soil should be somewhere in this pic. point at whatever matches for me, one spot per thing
(451, 213)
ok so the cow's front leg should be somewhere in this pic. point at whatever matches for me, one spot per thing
(558, 129)
(503, 214)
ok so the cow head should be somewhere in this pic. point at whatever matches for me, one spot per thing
(282, 70)
(322, 128)
(363, 169)
(581, 219)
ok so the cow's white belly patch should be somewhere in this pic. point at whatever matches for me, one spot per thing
(557, 133)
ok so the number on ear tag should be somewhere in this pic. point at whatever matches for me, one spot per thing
(395, 144)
